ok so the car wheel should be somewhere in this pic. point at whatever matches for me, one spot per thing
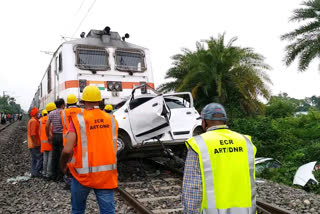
(123, 143)
(197, 131)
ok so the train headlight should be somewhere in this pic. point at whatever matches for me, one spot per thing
(117, 86)
(114, 86)
(110, 86)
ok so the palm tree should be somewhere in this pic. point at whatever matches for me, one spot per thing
(305, 40)
(219, 72)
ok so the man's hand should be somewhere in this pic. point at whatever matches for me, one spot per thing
(50, 139)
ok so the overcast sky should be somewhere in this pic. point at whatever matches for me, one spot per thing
(28, 27)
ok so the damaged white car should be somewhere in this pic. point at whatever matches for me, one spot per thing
(150, 121)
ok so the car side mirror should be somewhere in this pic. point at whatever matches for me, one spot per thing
(126, 110)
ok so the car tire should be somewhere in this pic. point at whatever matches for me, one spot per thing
(124, 144)
(197, 131)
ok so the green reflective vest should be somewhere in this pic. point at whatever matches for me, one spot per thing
(227, 170)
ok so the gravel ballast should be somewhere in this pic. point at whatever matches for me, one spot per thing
(39, 196)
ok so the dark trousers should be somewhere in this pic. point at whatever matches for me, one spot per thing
(36, 161)
(57, 146)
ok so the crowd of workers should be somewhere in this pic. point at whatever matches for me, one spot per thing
(9, 118)
(81, 143)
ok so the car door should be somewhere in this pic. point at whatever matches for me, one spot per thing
(149, 117)
(184, 117)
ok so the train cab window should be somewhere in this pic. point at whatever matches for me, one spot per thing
(130, 60)
(49, 79)
(60, 62)
(92, 58)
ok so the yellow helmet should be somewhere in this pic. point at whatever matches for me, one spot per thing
(51, 106)
(71, 99)
(44, 112)
(91, 93)
(108, 107)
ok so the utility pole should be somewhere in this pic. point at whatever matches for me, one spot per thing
(4, 93)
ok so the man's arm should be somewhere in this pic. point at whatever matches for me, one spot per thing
(33, 133)
(67, 151)
(34, 140)
(192, 184)
(48, 130)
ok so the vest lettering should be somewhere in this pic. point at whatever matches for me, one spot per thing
(226, 142)
(98, 121)
(228, 150)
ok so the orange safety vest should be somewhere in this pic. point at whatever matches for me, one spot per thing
(94, 161)
(65, 120)
(45, 145)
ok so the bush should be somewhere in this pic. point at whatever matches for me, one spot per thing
(292, 140)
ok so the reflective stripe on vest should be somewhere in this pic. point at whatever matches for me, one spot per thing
(84, 145)
(209, 184)
(114, 135)
(40, 129)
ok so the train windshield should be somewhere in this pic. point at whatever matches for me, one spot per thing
(130, 60)
(92, 58)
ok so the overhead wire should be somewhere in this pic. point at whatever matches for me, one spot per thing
(79, 7)
(83, 19)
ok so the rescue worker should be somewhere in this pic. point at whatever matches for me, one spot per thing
(54, 119)
(46, 147)
(34, 143)
(92, 135)
(108, 108)
(219, 170)
(65, 114)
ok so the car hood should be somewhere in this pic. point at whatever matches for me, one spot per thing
(304, 174)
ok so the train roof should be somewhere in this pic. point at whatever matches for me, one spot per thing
(105, 39)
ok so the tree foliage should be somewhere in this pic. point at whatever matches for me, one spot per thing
(305, 40)
(219, 71)
(292, 139)
(8, 105)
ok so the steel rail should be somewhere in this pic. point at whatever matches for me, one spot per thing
(270, 208)
(138, 206)
(263, 207)
(3, 128)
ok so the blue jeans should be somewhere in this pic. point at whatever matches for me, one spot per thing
(36, 161)
(79, 194)
(47, 164)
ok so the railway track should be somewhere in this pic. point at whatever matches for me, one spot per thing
(3, 128)
(162, 193)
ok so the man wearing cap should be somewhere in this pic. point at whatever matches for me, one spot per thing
(91, 150)
(34, 143)
(219, 170)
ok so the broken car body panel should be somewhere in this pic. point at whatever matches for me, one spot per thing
(148, 120)
(304, 174)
